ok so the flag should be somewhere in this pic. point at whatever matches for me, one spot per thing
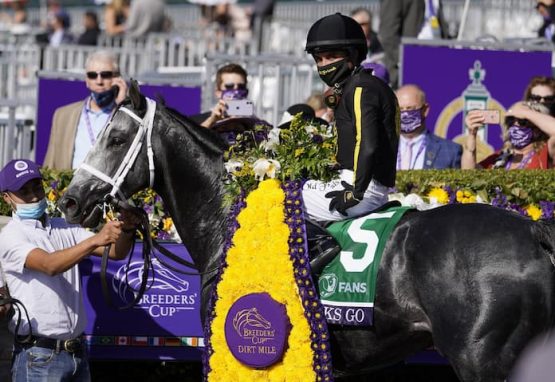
(103, 340)
(173, 341)
(139, 341)
(156, 341)
(122, 340)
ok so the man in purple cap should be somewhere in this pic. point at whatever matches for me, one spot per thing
(39, 256)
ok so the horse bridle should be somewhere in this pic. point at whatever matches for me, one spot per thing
(145, 129)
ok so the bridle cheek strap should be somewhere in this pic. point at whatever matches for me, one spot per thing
(145, 128)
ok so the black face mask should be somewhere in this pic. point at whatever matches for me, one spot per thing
(335, 73)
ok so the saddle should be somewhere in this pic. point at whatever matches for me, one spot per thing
(322, 247)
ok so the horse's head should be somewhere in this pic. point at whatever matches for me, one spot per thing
(117, 165)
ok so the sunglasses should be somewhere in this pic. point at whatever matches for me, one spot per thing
(105, 75)
(231, 86)
(539, 98)
(510, 121)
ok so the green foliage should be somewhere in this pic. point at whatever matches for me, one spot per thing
(299, 152)
(522, 187)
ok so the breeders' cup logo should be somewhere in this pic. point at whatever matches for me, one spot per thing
(328, 284)
(20, 165)
(167, 293)
(249, 324)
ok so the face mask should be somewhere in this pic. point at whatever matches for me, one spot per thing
(237, 94)
(411, 120)
(31, 210)
(520, 136)
(334, 73)
(103, 99)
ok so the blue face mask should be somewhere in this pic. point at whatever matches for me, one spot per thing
(31, 210)
(103, 99)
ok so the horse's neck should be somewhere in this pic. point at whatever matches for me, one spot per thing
(192, 193)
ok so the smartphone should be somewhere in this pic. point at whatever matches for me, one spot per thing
(240, 108)
(115, 90)
(491, 117)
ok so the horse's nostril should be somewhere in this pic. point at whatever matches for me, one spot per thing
(69, 203)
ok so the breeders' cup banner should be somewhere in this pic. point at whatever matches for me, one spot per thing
(459, 79)
(165, 324)
(56, 92)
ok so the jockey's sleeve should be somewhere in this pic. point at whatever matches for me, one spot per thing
(365, 118)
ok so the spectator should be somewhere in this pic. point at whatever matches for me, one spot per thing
(321, 110)
(378, 70)
(92, 30)
(366, 114)
(19, 21)
(546, 9)
(146, 16)
(76, 126)
(231, 84)
(407, 18)
(418, 147)
(307, 115)
(541, 89)
(262, 13)
(115, 16)
(60, 29)
(528, 128)
(39, 257)
(364, 18)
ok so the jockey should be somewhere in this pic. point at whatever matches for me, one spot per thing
(366, 122)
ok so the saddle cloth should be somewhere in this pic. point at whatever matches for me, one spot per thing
(347, 285)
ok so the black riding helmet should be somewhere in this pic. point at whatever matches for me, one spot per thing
(337, 32)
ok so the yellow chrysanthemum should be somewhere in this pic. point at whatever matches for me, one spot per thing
(262, 235)
(465, 196)
(534, 212)
(168, 224)
(438, 195)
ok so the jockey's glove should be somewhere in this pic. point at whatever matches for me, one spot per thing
(342, 200)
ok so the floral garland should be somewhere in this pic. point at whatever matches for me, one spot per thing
(273, 237)
(438, 196)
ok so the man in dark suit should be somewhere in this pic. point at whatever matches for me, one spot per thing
(407, 18)
(418, 147)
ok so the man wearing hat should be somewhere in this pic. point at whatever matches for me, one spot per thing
(39, 256)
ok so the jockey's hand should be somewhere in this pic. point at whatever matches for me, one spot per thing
(342, 200)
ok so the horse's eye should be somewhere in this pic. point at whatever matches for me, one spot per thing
(116, 141)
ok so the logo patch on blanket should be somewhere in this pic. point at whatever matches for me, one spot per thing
(348, 283)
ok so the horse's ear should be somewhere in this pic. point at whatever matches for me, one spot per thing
(137, 99)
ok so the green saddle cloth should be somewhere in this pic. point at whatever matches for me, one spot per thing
(348, 283)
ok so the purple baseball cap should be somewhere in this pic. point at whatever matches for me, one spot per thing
(18, 172)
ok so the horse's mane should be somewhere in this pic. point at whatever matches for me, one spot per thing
(204, 136)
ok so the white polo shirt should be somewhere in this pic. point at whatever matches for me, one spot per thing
(54, 303)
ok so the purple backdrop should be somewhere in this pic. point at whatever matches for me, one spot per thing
(165, 324)
(444, 75)
(53, 93)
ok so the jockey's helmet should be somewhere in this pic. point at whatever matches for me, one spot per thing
(337, 32)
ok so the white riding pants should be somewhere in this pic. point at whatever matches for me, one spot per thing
(317, 205)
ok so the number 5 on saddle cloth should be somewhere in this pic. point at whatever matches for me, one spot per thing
(346, 282)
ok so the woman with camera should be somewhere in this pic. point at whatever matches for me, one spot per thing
(528, 129)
